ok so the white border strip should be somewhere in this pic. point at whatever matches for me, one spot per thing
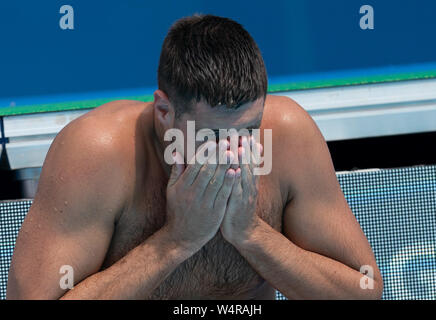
(341, 113)
(49, 123)
(31, 135)
(371, 110)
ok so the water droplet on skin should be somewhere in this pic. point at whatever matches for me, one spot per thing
(66, 202)
(55, 209)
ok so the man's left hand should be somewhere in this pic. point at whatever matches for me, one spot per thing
(240, 218)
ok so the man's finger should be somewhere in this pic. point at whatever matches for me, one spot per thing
(217, 180)
(245, 151)
(234, 149)
(223, 195)
(206, 172)
(177, 169)
(204, 177)
(236, 196)
(256, 160)
(249, 179)
(192, 170)
(246, 177)
(256, 154)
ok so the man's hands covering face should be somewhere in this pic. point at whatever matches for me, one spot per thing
(202, 198)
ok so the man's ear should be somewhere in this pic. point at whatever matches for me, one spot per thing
(164, 112)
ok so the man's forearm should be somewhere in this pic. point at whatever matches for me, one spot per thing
(137, 274)
(298, 273)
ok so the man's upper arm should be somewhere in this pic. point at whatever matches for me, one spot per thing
(71, 220)
(317, 217)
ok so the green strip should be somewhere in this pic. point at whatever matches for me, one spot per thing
(87, 104)
(351, 81)
(66, 106)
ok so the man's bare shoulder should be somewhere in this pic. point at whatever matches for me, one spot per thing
(112, 126)
(291, 124)
(96, 151)
(109, 132)
(115, 113)
(296, 139)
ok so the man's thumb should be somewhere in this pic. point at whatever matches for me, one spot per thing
(177, 168)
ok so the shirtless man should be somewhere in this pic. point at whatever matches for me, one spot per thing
(133, 227)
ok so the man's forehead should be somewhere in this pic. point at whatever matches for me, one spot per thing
(248, 114)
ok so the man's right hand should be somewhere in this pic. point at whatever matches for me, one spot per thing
(197, 197)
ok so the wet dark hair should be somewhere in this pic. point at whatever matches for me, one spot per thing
(210, 58)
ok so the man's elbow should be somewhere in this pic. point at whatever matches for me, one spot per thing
(27, 295)
(376, 292)
(378, 289)
(15, 291)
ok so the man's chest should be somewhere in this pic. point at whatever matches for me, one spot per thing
(216, 269)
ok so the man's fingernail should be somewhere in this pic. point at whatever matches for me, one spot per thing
(238, 172)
